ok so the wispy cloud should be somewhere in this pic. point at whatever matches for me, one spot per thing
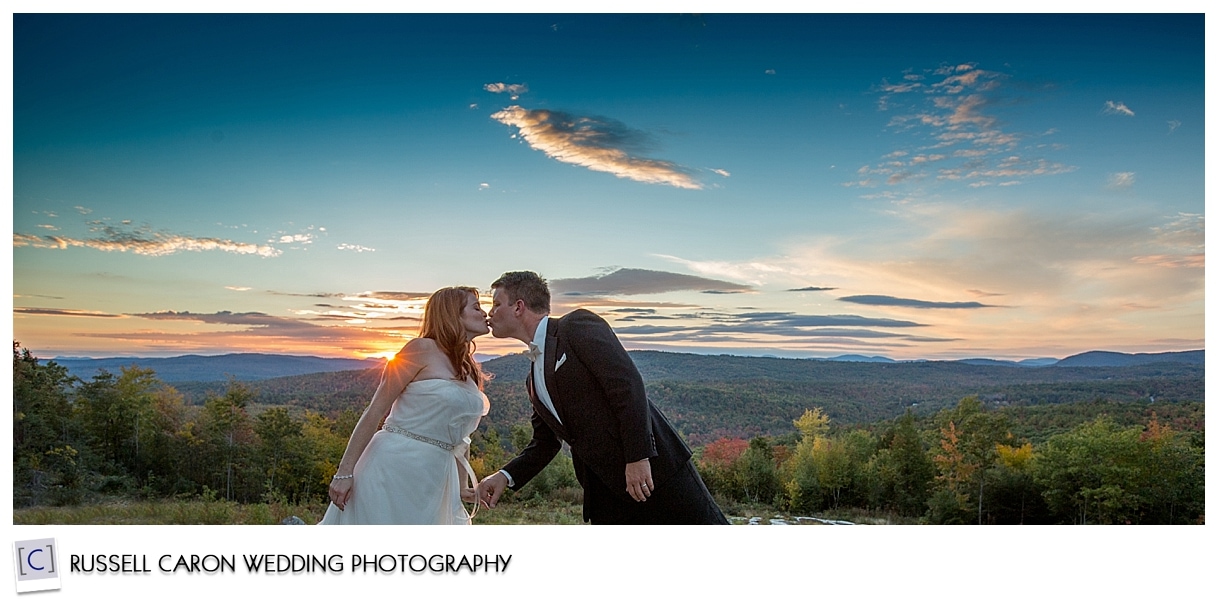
(954, 106)
(980, 293)
(1172, 125)
(251, 319)
(1118, 108)
(399, 296)
(303, 238)
(562, 303)
(1180, 243)
(1172, 260)
(595, 143)
(512, 89)
(833, 320)
(1056, 267)
(318, 294)
(888, 300)
(144, 243)
(637, 281)
(756, 273)
(814, 289)
(1012, 166)
(1120, 180)
(254, 331)
(777, 340)
(766, 331)
(359, 249)
(234, 288)
(382, 305)
(1035, 282)
(62, 312)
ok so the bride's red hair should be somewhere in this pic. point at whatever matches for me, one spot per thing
(442, 324)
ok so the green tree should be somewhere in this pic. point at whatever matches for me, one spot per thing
(1013, 496)
(1090, 474)
(800, 481)
(903, 469)
(757, 474)
(137, 388)
(800, 477)
(324, 441)
(162, 448)
(860, 447)
(487, 452)
(558, 474)
(109, 423)
(42, 423)
(278, 435)
(227, 438)
(41, 410)
(1174, 474)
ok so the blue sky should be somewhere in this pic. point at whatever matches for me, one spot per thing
(914, 186)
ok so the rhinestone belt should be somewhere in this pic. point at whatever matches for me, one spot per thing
(418, 437)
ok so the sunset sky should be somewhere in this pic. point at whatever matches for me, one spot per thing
(911, 186)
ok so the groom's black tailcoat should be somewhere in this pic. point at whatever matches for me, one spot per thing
(608, 421)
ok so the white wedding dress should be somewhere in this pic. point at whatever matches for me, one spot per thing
(413, 469)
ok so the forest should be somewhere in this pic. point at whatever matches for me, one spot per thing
(927, 443)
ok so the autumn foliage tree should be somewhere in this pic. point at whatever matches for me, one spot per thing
(717, 465)
(1100, 461)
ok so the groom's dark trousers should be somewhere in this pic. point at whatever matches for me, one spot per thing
(608, 421)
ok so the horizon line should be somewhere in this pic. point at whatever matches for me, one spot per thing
(485, 357)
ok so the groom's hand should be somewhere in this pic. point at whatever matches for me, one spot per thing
(491, 489)
(638, 479)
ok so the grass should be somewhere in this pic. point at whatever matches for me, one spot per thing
(198, 511)
(562, 507)
(172, 511)
(532, 511)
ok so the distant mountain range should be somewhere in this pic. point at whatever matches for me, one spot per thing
(254, 367)
(241, 367)
(1091, 358)
(711, 396)
(1108, 358)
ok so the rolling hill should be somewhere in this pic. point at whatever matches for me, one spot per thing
(707, 397)
(241, 367)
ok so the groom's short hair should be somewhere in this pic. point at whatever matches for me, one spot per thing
(528, 286)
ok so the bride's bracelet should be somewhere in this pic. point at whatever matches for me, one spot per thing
(337, 477)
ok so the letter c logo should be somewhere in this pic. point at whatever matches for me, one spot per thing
(30, 556)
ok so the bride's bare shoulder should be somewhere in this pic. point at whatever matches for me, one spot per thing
(416, 351)
(419, 345)
(422, 350)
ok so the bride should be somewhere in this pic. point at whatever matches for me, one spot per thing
(411, 470)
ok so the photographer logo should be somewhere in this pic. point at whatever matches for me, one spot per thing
(37, 565)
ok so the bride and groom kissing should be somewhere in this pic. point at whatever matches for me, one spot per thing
(584, 390)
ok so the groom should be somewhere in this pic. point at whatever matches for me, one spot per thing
(586, 391)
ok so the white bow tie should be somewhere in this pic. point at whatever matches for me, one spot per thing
(533, 352)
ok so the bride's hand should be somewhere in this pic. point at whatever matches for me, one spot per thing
(340, 492)
(468, 495)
